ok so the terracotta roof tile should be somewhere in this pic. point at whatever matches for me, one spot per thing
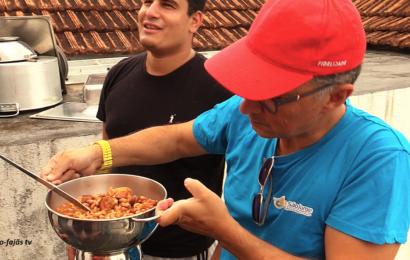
(81, 5)
(112, 20)
(386, 22)
(228, 16)
(404, 44)
(383, 36)
(395, 41)
(399, 8)
(199, 42)
(370, 26)
(132, 18)
(225, 22)
(95, 37)
(213, 39)
(402, 25)
(237, 5)
(73, 44)
(90, 44)
(242, 20)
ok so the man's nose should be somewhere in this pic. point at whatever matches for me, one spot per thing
(153, 9)
(250, 107)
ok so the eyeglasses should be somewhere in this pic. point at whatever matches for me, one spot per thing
(271, 105)
(264, 174)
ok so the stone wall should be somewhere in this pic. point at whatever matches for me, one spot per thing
(22, 212)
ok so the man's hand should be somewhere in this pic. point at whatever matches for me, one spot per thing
(201, 214)
(72, 164)
(71, 253)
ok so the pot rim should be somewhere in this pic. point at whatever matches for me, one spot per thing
(101, 220)
(9, 38)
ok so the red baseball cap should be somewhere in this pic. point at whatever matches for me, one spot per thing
(289, 43)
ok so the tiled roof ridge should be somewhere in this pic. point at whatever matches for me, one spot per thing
(29, 6)
(111, 26)
(127, 20)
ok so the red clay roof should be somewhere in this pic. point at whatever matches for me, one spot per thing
(110, 26)
(386, 22)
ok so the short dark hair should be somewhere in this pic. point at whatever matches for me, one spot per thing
(348, 77)
(195, 5)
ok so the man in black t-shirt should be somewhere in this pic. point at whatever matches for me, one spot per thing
(167, 84)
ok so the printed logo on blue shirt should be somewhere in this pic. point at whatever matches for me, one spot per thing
(281, 203)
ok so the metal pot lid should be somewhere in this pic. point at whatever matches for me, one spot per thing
(9, 38)
(11, 49)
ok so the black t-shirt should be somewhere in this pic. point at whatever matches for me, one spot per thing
(132, 100)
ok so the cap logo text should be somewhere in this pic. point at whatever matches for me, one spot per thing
(332, 64)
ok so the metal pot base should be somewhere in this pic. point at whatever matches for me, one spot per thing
(121, 255)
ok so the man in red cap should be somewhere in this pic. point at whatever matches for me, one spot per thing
(334, 181)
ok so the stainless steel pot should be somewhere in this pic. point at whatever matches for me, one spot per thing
(11, 49)
(105, 237)
(27, 85)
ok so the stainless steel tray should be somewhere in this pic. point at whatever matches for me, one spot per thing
(70, 111)
(93, 87)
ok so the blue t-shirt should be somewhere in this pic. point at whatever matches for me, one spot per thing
(356, 179)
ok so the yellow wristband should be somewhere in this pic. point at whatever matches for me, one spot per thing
(107, 156)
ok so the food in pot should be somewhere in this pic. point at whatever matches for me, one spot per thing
(116, 203)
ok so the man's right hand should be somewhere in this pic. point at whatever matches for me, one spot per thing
(72, 164)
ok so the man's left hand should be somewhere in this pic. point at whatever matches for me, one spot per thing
(203, 213)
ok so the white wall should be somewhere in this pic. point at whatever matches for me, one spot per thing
(392, 106)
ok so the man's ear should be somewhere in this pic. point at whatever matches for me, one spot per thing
(196, 21)
(338, 97)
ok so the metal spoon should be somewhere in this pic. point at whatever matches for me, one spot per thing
(49, 185)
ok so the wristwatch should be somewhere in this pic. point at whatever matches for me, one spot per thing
(107, 156)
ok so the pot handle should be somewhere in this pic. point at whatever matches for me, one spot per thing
(146, 219)
(9, 108)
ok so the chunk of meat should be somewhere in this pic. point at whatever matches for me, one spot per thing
(108, 203)
(134, 199)
(112, 192)
(121, 195)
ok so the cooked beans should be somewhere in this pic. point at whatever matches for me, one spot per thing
(116, 203)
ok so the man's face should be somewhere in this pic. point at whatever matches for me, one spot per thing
(294, 119)
(164, 25)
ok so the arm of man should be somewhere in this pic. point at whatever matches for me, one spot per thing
(147, 147)
(205, 213)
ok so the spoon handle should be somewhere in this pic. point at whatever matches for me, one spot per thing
(48, 184)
